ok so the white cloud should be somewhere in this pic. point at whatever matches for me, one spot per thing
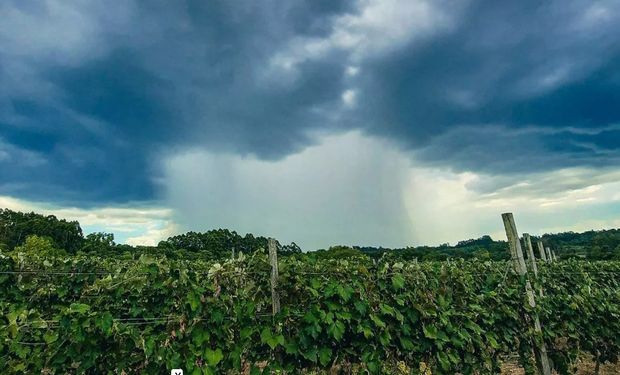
(352, 71)
(349, 98)
(565, 185)
(61, 31)
(378, 26)
(447, 207)
(386, 24)
(154, 233)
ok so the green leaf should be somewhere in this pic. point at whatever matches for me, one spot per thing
(444, 361)
(345, 292)
(336, 330)
(430, 332)
(79, 308)
(380, 323)
(149, 346)
(328, 318)
(365, 330)
(473, 326)
(291, 347)
(385, 338)
(214, 356)
(104, 322)
(398, 282)
(344, 315)
(194, 300)
(310, 318)
(386, 309)
(217, 317)
(492, 342)
(374, 367)
(361, 307)
(455, 359)
(200, 336)
(19, 367)
(406, 343)
(271, 340)
(235, 355)
(50, 337)
(275, 341)
(310, 355)
(265, 335)
(325, 356)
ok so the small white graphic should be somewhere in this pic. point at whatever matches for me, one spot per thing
(176, 371)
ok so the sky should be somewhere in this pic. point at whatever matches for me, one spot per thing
(363, 122)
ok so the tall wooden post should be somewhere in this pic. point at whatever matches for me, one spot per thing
(512, 239)
(549, 257)
(541, 250)
(273, 260)
(555, 258)
(232, 255)
(521, 269)
(527, 240)
(530, 254)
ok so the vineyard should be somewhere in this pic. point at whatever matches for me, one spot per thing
(89, 314)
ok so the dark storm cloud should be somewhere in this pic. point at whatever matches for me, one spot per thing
(463, 97)
(93, 96)
(178, 75)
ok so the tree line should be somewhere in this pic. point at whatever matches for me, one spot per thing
(50, 234)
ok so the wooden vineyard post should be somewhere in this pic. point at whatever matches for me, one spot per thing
(527, 240)
(521, 269)
(530, 254)
(541, 250)
(273, 260)
(512, 247)
(232, 255)
(555, 258)
(549, 257)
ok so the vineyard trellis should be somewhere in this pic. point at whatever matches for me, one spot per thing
(93, 314)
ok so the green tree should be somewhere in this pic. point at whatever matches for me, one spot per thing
(98, 242)
(482, 254)
(39, 246)
(15, 227)
(616, 253)
(292, 248)
(340, 252)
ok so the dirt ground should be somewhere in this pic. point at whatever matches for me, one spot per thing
(584, 367)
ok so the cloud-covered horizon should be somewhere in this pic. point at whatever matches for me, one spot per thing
(98, 100)
(350, 189)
